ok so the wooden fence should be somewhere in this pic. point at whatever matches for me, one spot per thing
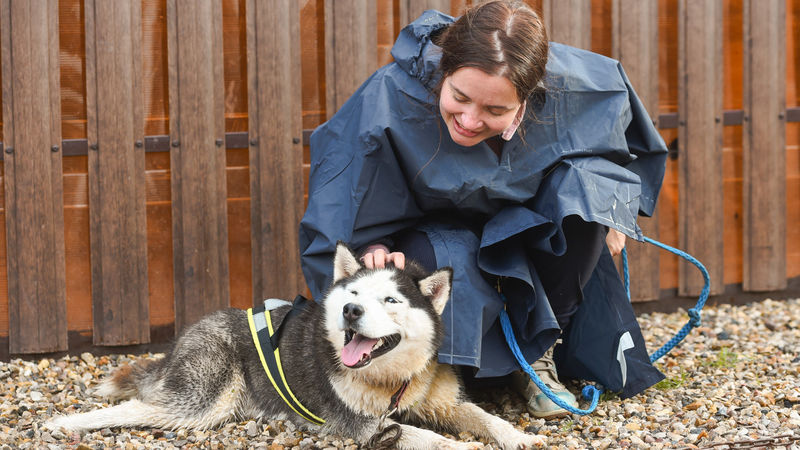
(155, 151)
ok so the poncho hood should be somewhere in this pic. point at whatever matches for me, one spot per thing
(415, 53)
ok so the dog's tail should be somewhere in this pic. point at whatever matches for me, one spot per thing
(125, 381)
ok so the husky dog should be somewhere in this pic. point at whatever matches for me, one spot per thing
(367, 351)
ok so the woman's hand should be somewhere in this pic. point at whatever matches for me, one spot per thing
(615, 241)
(376, 256)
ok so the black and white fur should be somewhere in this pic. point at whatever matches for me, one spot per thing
(213, 374)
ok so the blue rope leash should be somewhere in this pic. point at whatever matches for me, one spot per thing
(694, 313)
(591, 392)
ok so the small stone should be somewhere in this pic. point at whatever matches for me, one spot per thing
(633, 426)
(35, 396)
(693, 406)
(88, 358)
(251, 429)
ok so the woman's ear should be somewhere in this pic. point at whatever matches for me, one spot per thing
(508, 133)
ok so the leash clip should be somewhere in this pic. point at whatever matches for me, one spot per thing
(385, 416)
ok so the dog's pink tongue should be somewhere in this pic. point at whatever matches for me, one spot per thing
(356, 348)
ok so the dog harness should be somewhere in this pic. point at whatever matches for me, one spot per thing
(266, 339)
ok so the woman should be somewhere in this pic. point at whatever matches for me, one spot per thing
(486, 149)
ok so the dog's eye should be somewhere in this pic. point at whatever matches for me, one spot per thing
(354, 292)
(390, 300)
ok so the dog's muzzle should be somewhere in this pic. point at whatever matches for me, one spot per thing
(359, 350)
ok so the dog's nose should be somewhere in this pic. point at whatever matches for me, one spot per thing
(352, 312)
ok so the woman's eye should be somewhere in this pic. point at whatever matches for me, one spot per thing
(390, 300)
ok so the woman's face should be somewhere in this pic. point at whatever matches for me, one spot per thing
(476, 106)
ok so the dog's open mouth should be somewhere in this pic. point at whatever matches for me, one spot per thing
(359, 350)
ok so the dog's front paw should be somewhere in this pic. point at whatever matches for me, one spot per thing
(522, 441)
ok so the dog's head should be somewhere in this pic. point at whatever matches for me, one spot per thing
(385, 320)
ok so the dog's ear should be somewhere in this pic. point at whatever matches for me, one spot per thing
(345, 263)
(437, 288)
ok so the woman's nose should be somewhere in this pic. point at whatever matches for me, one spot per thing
(471, 120)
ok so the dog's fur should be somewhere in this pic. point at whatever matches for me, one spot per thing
(214, 374)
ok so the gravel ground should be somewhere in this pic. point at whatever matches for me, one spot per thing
(733, 383)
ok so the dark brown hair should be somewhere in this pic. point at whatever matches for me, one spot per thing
(500, 37)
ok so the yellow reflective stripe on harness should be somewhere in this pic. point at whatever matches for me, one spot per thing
(283, 388)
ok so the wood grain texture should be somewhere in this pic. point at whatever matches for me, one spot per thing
(700, 141)
(351, 49)
(569, 22)
(118, 223)
(33, 184)
(276, 151)
(764, 142)
(410, 10)
(197, 159)
(635, 45)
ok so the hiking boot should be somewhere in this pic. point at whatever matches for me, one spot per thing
(539, 405)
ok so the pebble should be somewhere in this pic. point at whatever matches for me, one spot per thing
(733, 380)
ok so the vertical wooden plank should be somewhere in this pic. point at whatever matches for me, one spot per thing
(276, 151)
(197, 159)
(569, 22)
(635, 45)
(700, 142)
(411, 9)
(118, 228)
(34, 200)
(764, 141)
(351, 49)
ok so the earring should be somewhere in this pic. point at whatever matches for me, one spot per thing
(508, 133)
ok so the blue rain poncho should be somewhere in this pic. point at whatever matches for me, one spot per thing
(385, 162)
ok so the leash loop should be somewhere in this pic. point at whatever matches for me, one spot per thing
(385, 438)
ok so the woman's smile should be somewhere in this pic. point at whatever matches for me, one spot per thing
(462, 130)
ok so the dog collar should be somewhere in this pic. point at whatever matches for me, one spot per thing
(266, 340)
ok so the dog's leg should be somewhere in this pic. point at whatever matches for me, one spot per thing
(419, 438)
(127, 414)
(413, 438)
(467, 416)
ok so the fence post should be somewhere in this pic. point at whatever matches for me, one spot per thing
(411, 9)
(276, 149)
(569, 22)
(115, 130)
(33, 176)
(700, 141)
(635, 45)
(764, 146)
(351, 49)
(197, 159)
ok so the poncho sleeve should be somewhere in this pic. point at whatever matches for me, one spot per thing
(357, 192)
